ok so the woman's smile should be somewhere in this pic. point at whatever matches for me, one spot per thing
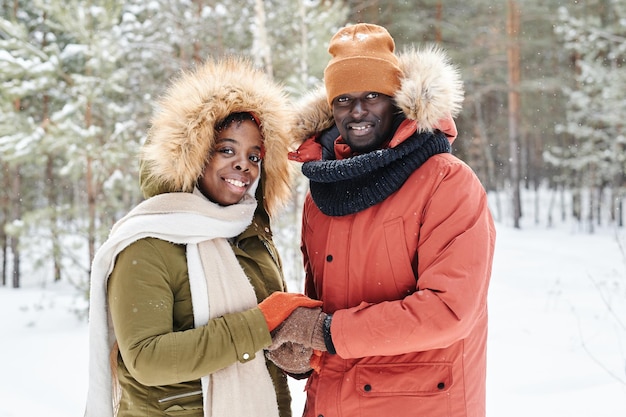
(234, 164)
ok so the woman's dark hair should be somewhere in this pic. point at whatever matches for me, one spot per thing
(236, 118)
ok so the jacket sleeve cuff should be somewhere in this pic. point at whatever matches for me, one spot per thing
(249, 333)
(328, 339)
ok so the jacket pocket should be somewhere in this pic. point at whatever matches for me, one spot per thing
(183, 404)
(403, 379)
(405, 278)
(421, 387)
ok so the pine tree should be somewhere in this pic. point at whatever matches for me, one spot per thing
(595, 36)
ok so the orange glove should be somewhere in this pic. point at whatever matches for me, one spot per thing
(279, 305)
(316, 361)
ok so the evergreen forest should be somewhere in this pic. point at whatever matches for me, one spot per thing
(544, 105)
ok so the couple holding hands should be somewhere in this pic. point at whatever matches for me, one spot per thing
(189, 310)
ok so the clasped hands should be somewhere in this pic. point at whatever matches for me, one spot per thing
(296, 323)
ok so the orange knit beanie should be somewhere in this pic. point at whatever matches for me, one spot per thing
(363, 59)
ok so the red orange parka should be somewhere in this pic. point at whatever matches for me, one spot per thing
(406, 279)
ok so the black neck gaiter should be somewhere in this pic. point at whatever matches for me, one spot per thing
(347, 186)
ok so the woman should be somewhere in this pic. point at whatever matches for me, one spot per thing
(183, 329)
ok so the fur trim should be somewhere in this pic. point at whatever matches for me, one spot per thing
(182, 129)
(314, 115)
(431, 89)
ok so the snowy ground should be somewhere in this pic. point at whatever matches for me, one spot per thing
(557, 343)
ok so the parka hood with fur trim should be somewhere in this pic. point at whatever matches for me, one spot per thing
(431, 91)
(182, 131)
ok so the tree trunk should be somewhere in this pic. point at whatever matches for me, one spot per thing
(91, 210)
(482, 134)
(197, 56)
(263, 55)
(438, 19)
(16, 206)
(593, 195)
(92, 191)
(513, 55)
(576, 205)
(51, 190)
(6, 212)
(15, 238)
(304, 43)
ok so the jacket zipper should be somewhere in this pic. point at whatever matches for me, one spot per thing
(271, 252)
(179, 396)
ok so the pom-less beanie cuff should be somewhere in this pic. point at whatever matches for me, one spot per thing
(363, 60)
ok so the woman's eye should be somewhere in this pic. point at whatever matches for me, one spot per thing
(227, 151)
(372, 95)
(255, 158)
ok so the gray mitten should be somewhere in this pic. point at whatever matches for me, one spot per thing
(291, 357)
(305, 326)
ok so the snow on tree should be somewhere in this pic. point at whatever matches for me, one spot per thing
(594, 154)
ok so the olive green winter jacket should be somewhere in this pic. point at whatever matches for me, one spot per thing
(162, 357)
(149, 297)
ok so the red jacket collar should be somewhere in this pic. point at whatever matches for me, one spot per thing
(311, 149)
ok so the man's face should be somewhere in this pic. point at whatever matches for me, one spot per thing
(364, 119)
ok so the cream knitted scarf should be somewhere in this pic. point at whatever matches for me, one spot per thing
(217, 281)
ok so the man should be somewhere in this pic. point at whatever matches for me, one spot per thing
(397, 238)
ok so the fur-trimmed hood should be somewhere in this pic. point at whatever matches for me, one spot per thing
(431, 91)
(182, 131)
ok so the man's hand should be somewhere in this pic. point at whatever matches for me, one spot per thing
(291, 357)
(305, 326)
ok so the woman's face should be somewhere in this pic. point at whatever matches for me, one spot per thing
(234, 163)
